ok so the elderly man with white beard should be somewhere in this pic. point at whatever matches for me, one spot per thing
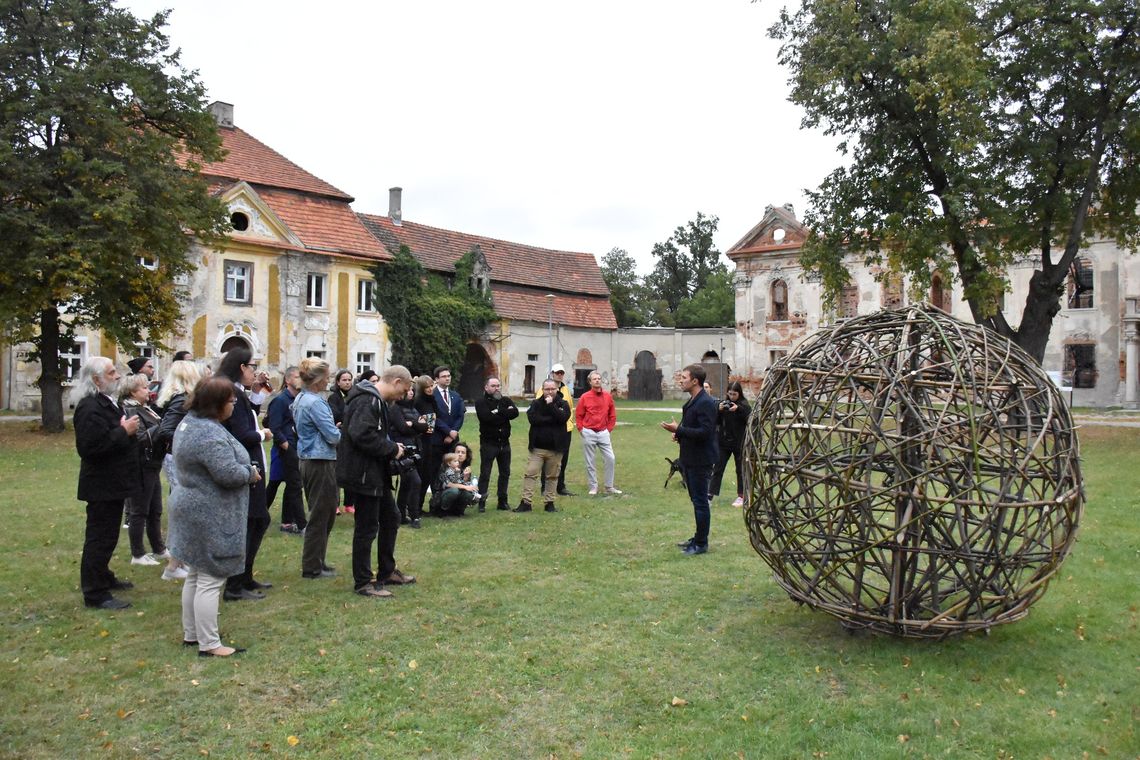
(105, 439)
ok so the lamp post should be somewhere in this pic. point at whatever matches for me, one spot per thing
(549, 331)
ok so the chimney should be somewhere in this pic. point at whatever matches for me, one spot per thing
(223, 114)
(395, 213)
(790, 209)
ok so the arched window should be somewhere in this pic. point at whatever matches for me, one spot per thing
(779, 301)
(849, 301)
(1080, 286)
(937, 294)
(892, 292)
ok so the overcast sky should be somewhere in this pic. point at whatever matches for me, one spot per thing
(578, 126)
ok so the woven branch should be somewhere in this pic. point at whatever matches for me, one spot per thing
(912, 474)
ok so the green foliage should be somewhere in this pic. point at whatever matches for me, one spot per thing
(977, 132)
(564, 635)
(95, 110)
(430, 323)
(688, 263)
(627, 292)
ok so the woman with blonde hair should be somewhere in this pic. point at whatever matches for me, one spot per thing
(317, 437)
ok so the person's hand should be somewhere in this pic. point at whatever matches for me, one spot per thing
(422, 420)
(284, 445)
(670, 426)
(466, 472)
(255, 475)
(130, 425)
(399, 451)
(266, 434)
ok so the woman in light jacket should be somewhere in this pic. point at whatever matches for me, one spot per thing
(208, 510)
(317, 437)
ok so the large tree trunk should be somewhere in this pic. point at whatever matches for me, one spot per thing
(51, 379)
(1042, 304)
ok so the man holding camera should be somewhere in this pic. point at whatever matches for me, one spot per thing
(495, 412)
(364, 466)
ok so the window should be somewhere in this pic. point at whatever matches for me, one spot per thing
(365, 360)
(239, 221)
(366, 295)
(775, 356)
(1080, 287)
(239, 282)
(532, 357)
(938, 297)
(849, 301)
(315, 291)
(315, 354)
(1080, 366)
(71, 358)
(892, 292)
(477, 283)
(779, 301)
(528, 379)
(148, 262)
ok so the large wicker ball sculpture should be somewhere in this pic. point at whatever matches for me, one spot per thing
(912, 474)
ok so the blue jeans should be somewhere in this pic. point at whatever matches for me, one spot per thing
(697, 478)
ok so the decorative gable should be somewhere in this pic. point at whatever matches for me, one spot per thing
(260, 222)
(777, 231)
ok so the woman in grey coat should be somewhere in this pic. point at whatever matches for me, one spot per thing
(208, 510)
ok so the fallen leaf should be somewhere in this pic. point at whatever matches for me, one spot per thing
(413, 665)
(744, 718)
(125, 713)
(104, 634)
(1021, 692)
(321, 652)
(293, 741)
(904, 697)
(1061, 680)
(1052, 713)
(194, 682)
(1081, 631)
(903, 738)
(678, 702)
(906, 662)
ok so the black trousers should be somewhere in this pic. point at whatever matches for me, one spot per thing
(255, 528)
(565, 449)
(721, 463)
(144, 513)
(377, 519)
(491, 454)
(99, 540)
(408, 496)
(292, 503)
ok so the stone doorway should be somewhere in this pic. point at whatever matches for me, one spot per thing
(477, 367)
(645, 378)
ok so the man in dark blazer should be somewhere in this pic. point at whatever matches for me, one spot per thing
(449, 415)
(697, 435)
(105, 440)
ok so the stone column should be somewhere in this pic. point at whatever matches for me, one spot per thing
(1131, 354)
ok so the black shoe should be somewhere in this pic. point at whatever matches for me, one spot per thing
(482, 507)
(320, 574)
(696, 549)
(328, 568)
(257, 585)
(565, 492)
(186, 643)
(550, 507)
(685, 544)
(405, 521)
(524, 506)
(121, 585)
(110, 603)
(242, 595)
(503, 507)
(416, 523)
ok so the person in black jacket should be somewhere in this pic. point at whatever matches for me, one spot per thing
(548, 415)
(237, 365)
(342, 384)
(495, 412)
(424, 403)
(108, 471)
(284, 466)
(407, 425)
(364, 467)
(731, 426)
(144, 506)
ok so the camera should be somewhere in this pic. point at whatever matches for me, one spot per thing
(726, 405)
(409, 460)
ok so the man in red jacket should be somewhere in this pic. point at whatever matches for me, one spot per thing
(595, 418)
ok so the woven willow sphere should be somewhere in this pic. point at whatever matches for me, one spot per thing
(912, 474)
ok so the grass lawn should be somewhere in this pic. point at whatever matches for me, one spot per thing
(580, 634)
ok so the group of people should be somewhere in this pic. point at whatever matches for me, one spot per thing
(366, 435)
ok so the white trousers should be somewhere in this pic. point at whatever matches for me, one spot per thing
(200, 596)
(593, 442)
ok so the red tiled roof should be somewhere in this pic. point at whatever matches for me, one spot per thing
(323, 224)
(574, 310)
(253, 161)
(510, 263)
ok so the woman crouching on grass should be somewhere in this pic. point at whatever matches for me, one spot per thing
(208, 510)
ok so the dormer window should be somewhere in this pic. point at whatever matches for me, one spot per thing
(239, 220)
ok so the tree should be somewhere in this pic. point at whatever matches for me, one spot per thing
(429, 322)
(688, 263)
(627, 292)
(978, 133)
(103, 136)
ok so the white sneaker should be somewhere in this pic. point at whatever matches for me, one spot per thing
(614, 491)
(739, 502)
(165, 554)
(145, 559)
(593, 492)
(177, 574)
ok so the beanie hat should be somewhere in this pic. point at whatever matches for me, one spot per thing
(137, 364)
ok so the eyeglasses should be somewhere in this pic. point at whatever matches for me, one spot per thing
(251, 366)
(232, 401)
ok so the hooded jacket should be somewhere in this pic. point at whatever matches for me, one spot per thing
(365, 451)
